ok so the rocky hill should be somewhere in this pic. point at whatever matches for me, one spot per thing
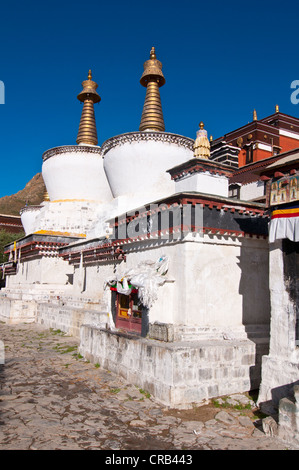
(32, 194)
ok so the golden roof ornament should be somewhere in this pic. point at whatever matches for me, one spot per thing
(87, 133)
(202, 144)
(254, 115)
(46, 196)
(277, 108)
(152, 78)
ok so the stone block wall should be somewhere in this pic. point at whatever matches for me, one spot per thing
(14, 311)
(288, 418)
(69, 318)
(178, 374)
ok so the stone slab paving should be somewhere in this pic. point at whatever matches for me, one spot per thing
(52, 399)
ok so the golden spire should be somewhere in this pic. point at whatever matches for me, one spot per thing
(201, 144)
(277, 108)
(152, 78)
(254, 115)
(87, 133)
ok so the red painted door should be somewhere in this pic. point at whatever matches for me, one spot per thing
(128, 313)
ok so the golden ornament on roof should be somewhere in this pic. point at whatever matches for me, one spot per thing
(152, 78)
(87, 133)
(152, 71)
(202, 144)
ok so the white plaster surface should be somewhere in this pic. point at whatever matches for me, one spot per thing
(69, 217)
(137, 168)
(28, 219)
(76, 175)
(118, 206)
(215, 287)
(203, 183)
(46, 270)
(252, 190)
(218, 283)
(280, 369)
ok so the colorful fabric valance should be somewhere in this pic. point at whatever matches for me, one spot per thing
(285, 223)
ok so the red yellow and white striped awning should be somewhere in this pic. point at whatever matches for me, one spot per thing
(285, 223)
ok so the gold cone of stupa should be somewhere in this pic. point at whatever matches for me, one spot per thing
(152, 78)
(202, 144)
(87, 133)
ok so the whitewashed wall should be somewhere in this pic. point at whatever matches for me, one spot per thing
(203, 183)
(139, 168)
(53, 271)
(219, 282)
(252, 190)
(76, 175)
(280, 368)
(28, 219)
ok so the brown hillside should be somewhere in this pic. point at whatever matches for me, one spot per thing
(32, 194)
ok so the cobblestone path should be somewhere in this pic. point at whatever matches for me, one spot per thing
(52, 399)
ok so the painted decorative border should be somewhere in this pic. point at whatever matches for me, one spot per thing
(131, 137)
(70, 148)
(30, 208)
(122, 139)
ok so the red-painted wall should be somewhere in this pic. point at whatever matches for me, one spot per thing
(287, 143)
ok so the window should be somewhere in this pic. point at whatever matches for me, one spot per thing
(276, 150)
(234, 191)
(249, 154)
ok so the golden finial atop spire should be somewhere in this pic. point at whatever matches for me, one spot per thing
(153, 53)
(277, 108)
(254, 115)
(87, 133)
(152, 78)
(202, 144)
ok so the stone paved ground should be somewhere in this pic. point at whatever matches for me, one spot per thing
(52, 399)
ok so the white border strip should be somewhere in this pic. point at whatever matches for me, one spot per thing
(289, 134)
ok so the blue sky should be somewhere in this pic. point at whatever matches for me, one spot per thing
(220, 60)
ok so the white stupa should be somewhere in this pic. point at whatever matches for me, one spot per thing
(74, 176)
(88, 184)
